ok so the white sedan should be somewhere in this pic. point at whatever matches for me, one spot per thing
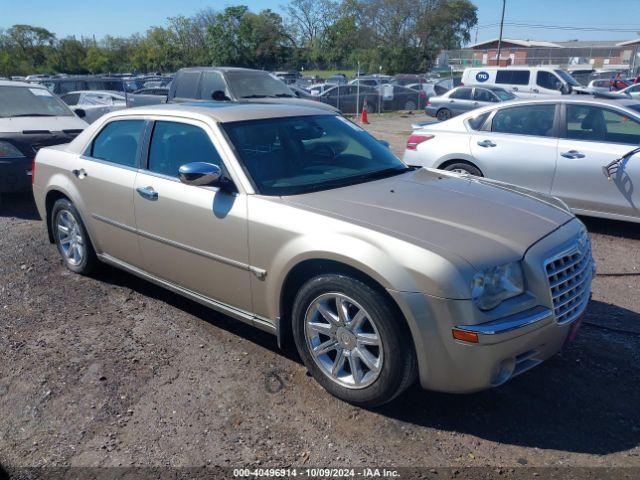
(555, 146)
(92, 104)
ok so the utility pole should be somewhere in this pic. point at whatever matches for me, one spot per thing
(501, 25)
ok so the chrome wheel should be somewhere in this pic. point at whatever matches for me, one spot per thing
(343, 340)
(70, 237)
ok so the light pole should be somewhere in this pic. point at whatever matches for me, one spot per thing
(501, 25)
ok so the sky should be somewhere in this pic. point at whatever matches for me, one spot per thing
(124, 17)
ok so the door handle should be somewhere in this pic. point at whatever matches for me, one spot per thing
(535, 90)
(486, 143)
(515, 89)
(80, 173)
(475, 104)
(147, 192)
(451, 101)
(572, 154)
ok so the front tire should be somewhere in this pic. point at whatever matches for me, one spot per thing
(352, 340)
(461, 167)
(71, 238)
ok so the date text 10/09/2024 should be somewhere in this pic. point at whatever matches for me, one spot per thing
(316, 472)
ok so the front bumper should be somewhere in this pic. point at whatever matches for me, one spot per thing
(15, 174)
(517, 336)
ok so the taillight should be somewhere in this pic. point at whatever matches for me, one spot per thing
(33, 170)
(414, 140)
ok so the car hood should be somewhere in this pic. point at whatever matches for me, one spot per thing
(294, 101)
(483, 222)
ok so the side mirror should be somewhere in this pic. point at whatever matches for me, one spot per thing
(80, 112)
(219, 96)
(385, 143)
(199, 174)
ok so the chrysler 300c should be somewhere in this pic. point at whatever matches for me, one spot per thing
(297, 221)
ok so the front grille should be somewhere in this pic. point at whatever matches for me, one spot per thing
(569, 275)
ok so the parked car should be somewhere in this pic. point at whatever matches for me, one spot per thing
(426, 87)
(462, 99)
(522, 81)
(231, 84)
(397, 97)
(371, 80)
(60, 86)
(160, 91)
(443, 86)
(350, 98)
(632, 91)
(598, 86)
(319, 88)
(337, 79)
(91, 105)
(555, 146)
(30, 117)
(297, 221)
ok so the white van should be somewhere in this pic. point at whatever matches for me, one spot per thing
(523, 81)
(31, 117)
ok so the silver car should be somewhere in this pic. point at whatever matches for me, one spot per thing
(463, 99)
(555, 146)
(297, 221)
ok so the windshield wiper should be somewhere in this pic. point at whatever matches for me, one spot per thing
(254, 96)
(343, 182)
(282, 95)
(34, 115)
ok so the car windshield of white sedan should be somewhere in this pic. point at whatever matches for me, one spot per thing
(295, 155)
(31, 102)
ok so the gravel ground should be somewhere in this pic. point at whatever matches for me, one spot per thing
(112, 371)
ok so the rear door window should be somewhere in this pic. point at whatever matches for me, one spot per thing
(513, 77)
(174, 144)
(118, 142)
(534, 120)
(187, 84)
(461, 94)
(484, 95)
(596, 124)
(211, 82)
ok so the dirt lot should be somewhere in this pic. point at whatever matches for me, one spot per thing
(113, 371)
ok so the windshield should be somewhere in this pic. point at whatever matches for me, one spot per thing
(503, 94)
(256, 85)
(31, 102)
(295, 155)
(567, 78)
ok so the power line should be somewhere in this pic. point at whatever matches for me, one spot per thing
(559, 27)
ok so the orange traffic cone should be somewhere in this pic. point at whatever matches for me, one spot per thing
(364, 118)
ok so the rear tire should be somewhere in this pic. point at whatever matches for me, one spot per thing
(410, 105)
(462, 167)
(363, 352)
(444, 114)
(71, 238)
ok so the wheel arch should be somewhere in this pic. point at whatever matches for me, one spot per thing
(51, 198)
(443, 165)
(307, 269)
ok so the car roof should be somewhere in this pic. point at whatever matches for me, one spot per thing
(224, 112)
(11, 83)
(99, 92)
(221, 69)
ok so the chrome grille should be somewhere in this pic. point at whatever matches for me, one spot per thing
(569, 275)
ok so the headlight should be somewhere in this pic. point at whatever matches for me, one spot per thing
(496, 284)
(9, 151)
